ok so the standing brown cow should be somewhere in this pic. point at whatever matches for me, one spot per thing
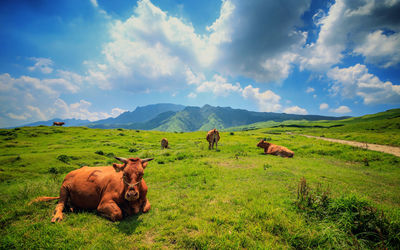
(110, 190)
(273, 149)
(164, 143)
(58, 123)
(213, 137)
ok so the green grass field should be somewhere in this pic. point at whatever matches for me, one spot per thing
(235, 197)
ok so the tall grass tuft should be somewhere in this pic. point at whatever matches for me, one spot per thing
(357, 217)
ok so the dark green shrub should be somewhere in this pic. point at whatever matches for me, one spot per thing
(53, 170)
(99, 152)
(63, 158)
(6, 133)
(110, 155)
(133, 150)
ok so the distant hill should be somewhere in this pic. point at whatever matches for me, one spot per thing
(139, 115)
(386, 119)
(381, 128)
(68, 122)
(172, 117)
(206, 118)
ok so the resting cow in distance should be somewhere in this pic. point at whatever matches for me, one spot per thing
(273, 149)
(164, 143)
(213, 137)
(58, 123)
(113, 190)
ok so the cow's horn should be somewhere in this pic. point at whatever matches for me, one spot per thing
(121, 159)
(147, 159)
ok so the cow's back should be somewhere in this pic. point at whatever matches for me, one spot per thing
(213, 136)
(279, 150)
(87, 185)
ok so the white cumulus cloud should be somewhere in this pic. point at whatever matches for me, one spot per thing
(341, 110)
(310, 90)
(380, 49)
(323, 106)
(295, 110)
(27, 99)
(267, 101)
(356, 81)
(355, 26)
(218, 86)
(43, 65)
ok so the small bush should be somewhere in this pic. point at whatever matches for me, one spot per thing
(137, 131)
(6, 133)
(120, 129)
(53, 170)
(99, 152)
(133, 150)
(231, 133)
(121, 134)
(63, 158)
(110, 154)
(266, 166)
(160, 162)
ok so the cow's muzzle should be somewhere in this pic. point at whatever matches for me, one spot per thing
(131, 195)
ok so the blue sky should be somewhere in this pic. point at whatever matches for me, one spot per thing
(93, 59)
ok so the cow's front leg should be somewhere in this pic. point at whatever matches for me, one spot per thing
(146, 206)
(110, 210)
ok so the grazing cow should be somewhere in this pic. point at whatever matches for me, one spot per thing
(273, 149)
(58, 123)
(110, 190)
(213, 137)
(164, 143)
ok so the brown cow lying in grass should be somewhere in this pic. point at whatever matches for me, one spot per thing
(164, 143)
(273, 149)
(213, 137)
(110, 190)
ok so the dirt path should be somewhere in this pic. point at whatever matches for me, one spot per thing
(376, 147)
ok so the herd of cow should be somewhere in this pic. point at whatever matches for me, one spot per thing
(120, 190)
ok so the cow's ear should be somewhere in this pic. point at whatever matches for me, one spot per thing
(145, 162)
(119, 167)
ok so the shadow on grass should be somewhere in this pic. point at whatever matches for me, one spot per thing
(129, 224)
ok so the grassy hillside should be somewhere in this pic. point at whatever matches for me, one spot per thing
(232, 198)
(380, 128)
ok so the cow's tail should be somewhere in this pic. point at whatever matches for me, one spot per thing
(43, 198)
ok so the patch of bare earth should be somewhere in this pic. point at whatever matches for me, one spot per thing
(375, 147)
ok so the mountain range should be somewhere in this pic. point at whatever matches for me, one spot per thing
(179, 118)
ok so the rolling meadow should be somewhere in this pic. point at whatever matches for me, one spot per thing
(328, 196)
